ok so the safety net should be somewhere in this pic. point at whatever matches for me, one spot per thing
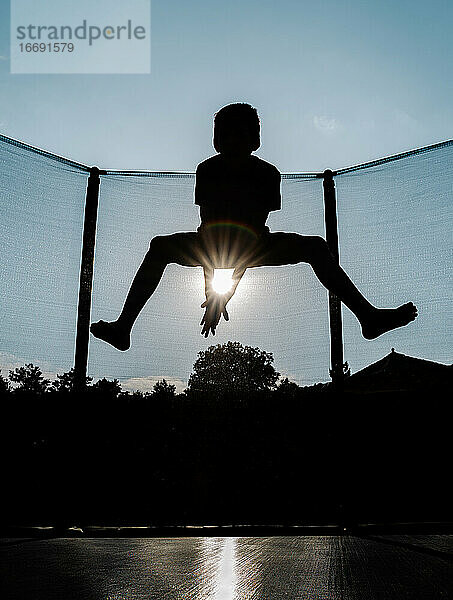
(394, 218)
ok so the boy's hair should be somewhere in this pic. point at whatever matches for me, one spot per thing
(241, 113)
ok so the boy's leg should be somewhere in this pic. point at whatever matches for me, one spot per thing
(292, 248)
(180, 248)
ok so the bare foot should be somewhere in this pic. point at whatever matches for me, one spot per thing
(112, 334)
(386, 319)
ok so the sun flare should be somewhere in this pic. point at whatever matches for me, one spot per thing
(222, 282)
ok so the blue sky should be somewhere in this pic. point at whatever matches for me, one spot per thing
(336, 83)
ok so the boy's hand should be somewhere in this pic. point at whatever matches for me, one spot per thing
(215, 307)
(215, 304)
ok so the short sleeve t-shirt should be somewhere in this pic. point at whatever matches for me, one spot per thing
(243, 194)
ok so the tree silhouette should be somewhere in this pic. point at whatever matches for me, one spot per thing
(232, 367)
(107, 388)
(29, 379)
(288, 388)
(65, 382)
(4, 384)
(163, 389)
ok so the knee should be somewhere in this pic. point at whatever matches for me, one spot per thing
(318, 243)
(317, 246)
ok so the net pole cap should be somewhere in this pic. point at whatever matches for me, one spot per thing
(96, 171)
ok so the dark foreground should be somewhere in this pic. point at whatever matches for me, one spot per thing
(325, 567)
(288, 457)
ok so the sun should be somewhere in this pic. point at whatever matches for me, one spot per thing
(222, 282)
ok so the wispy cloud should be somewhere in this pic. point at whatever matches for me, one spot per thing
(326, 124)
(145, 384)
(404, 119)
(9, 362)
(366, 124)
(3, 57)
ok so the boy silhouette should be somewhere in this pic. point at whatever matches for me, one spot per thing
(236, 191)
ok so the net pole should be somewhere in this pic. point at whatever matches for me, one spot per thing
(336, 328)
(86, 280)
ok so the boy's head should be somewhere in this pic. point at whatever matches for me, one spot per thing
(236, 129)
